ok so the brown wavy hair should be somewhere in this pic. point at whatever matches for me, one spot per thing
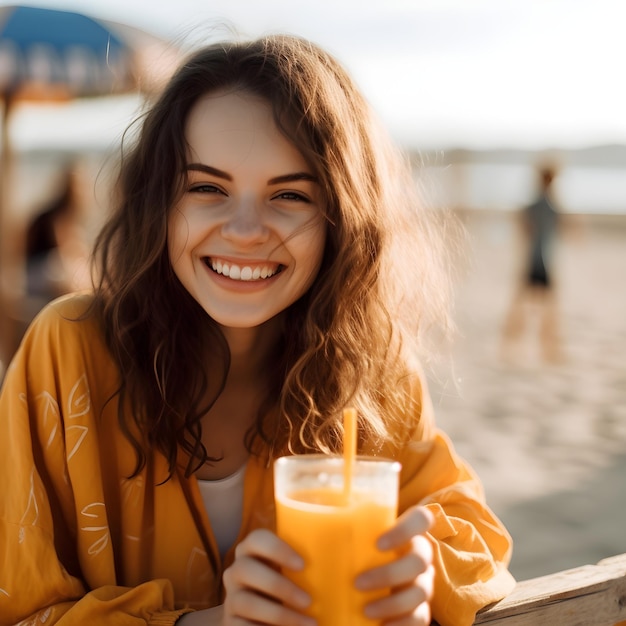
(349, 340)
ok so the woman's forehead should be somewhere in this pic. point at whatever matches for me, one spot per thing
(236, 133)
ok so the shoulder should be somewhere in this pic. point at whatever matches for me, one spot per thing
(64, 344)
(421, 402)
(73, 310)
(65, 327)
(72, 305)
(411, 418)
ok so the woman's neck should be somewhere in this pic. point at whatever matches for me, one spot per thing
(251, 350)
(234, 412)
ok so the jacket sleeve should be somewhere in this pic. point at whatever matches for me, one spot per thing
(40, 572)
(472, 549)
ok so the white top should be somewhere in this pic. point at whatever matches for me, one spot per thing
(223, 501)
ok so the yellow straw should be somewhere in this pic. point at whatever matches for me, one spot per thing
(349, 450)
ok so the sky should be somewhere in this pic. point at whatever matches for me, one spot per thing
(441, 73)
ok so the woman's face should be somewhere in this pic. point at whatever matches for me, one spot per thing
(247, 237)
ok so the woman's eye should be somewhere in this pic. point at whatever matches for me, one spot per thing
(205, 188)
(292, 195)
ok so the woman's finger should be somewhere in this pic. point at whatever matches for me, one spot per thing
(403, 571)
(264, 544)
(251, 574)
(257, 591)
(244, 604)
(414, 521)
(421, 617)
(406, 602)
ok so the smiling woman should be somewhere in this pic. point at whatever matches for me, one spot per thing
(267, 264)
(251, 214)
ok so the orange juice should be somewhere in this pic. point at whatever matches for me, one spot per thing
(337, 540)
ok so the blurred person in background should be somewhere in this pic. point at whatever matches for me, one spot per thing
(56, 247)
(535, 299)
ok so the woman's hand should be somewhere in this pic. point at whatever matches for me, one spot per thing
(410, 576)
(256, 591)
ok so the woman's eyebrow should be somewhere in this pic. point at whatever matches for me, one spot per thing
(284, 178)
(207, 169)
(289, 178)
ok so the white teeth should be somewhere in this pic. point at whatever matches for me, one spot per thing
(242, 273)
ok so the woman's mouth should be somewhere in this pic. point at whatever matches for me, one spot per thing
(250, 272)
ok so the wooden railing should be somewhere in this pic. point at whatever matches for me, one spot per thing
(592, 595)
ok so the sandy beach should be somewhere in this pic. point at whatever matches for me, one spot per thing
(548, 440)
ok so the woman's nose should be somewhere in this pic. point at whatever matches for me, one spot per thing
(245, 224)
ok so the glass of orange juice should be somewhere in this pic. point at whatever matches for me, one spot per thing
(334, 529)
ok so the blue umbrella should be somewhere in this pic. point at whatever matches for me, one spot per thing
(49, 54)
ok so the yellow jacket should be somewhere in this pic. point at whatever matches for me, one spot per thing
(81, 543)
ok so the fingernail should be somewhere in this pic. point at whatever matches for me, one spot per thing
(383, 543)
(362, 582)
(295, 563)
(302, 599)
(370, 613)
